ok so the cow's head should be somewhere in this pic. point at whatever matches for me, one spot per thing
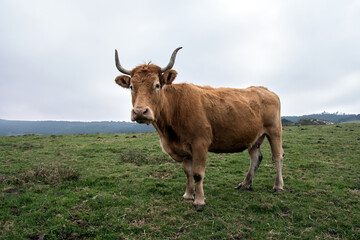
(146, 83)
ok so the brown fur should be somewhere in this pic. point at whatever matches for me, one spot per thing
(192, 120)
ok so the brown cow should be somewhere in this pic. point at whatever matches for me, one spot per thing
(192, 120)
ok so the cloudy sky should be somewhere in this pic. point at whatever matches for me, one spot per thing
(57, 56)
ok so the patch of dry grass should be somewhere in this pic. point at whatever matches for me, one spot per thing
(50, 175)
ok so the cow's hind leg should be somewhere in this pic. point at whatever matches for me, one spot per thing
(189, 192)
(255, 160)
(278, 157)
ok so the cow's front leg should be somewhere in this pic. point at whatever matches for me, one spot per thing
(189, 192)
(199, 162)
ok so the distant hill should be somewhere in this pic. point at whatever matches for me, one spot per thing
(313, 121)
(8, 128)
(330, 117)
(305, 121)
(287, 123)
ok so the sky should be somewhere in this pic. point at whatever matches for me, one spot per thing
(57, 56)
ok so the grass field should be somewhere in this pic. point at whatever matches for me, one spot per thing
(108, 186)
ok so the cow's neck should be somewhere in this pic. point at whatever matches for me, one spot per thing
(165, 123)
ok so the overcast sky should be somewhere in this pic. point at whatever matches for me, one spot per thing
(57, 56)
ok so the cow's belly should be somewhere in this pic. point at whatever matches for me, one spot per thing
(227, 149)
(234, 140)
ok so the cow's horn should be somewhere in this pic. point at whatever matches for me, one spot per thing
(172, 60)
(118, 65)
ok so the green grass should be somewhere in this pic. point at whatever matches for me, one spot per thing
(109, 186)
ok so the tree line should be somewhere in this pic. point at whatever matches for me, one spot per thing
(8, 128)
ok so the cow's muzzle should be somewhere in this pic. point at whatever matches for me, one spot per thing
(142, 115)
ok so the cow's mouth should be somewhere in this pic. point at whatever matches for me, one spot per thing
(142, 121)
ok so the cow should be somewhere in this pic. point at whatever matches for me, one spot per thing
(193, 120)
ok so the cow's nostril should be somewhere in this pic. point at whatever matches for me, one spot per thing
(146, 111)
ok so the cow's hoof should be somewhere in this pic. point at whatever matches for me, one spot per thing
(242, 187)
(187, 199)
(199, 203)
(277, 189)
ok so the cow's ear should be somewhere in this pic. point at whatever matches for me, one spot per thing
(123, 81)
(168, 77)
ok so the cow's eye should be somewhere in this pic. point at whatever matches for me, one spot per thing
(157, 86)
